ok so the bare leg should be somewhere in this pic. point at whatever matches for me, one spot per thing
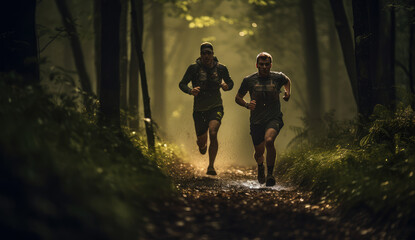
(270, 136)
(202, 141)
(259, 157)
(213, 136)
(259, 153)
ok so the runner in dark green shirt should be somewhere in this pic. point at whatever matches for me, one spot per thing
(208, 76)
(266, 117)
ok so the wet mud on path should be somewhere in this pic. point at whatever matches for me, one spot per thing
(233, 205)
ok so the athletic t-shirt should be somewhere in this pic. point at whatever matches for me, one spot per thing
(265, 91)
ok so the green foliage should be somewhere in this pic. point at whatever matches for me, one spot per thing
(62, 176)
(262, 3)
(377, 175)
(393, 128)
(332, 133)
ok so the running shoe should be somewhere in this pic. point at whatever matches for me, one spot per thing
(270, 181)
(211, 171)
(261, 174)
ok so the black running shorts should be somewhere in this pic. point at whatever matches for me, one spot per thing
(258, 130)
(202, 119)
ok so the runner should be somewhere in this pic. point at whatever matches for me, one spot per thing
(208, 76)
(266, 117)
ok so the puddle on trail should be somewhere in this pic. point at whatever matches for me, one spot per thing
(235, 177)
(254, 185)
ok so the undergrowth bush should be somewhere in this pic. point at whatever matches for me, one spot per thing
(375, 173)
(64, 177)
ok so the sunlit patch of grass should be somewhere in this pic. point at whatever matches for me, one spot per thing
(377, 176)
(64, 176)
(165, 153)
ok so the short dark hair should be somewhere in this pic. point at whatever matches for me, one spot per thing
(263, 56)
(206, 45)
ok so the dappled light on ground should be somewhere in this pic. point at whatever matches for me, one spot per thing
(253, 184)
(233, 205)
(230, 176)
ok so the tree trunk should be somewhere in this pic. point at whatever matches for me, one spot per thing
(144, 88)
(69, 24)
(18, 40)
(346, 42)
(110, 64)
(123, 58)
(97, 39)
(333, 82)
(312, 67)
(412, 57)
(386, 60)
(159, 81)
(364, 51)
(134, 71)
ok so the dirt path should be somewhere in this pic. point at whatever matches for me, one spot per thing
(233, 205)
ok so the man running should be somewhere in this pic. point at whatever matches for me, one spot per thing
(206, 76)
(266, 117)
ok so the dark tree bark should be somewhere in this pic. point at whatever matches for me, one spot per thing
(159, 81)
(412, 55)
(134, 70)
(18, 40)
(346, 42)
(365, 49)
(123, 56)
(312, 66)
(374, 28)
(333, 74)
(70, 28)
(110, 64)
(97, 40)
(144, 88)
(386, 60)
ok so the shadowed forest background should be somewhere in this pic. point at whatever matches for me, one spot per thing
(95, 129)
(239, 30)
(301, 36)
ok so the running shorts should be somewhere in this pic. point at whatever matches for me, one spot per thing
(258, 130)
(202, 119)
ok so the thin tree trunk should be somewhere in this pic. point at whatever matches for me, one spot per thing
(363, 52)
(312, 67)
(144, 88)
(69, 24)
(346, 42)
(159, 81)
(134, 71)
(133, 87)
(386, 52)
(18, 40)
(123, 58)
(333, 71)
(97, 39)
(412, 58)
(373, 7)
(110, 84)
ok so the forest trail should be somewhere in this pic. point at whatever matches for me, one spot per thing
(233, 205)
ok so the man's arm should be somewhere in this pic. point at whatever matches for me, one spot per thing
(227, 85)
(183, 85)
(239, 99)
(287, 90)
